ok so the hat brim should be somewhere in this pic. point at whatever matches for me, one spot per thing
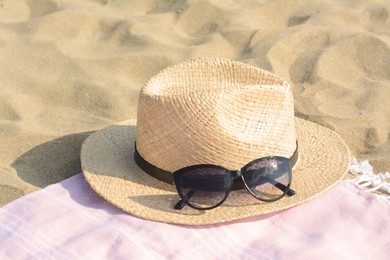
(109, 167)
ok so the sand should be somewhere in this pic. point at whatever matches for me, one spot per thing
(69, 67)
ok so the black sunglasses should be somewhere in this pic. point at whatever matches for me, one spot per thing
(207, 186)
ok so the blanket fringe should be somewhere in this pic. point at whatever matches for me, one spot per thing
(369, 180)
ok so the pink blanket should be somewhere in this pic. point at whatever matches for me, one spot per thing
(68, 220)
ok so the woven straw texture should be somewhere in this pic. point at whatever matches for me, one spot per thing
(213, 110)
(210, 111)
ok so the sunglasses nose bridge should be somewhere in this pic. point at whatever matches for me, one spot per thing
(236, 174)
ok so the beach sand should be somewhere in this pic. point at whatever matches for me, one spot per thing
(68, 68)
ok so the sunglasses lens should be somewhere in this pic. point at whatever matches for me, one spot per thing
(268, 178)
(203, 187)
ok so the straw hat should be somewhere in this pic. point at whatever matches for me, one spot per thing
(213, 111)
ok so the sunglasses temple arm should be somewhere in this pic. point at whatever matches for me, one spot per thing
(289, 192)
(280, 186)
(181, 203)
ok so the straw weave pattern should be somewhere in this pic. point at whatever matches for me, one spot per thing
(214, 111)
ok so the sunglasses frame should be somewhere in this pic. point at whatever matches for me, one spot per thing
(235, 175)
(168, 177)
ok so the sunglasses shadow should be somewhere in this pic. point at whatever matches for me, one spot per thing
(171, 200)
(165, 203)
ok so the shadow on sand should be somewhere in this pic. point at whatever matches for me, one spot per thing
(51, 162)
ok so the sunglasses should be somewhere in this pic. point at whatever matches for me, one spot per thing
(206, 186)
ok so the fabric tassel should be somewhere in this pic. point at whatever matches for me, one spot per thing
(369, 180)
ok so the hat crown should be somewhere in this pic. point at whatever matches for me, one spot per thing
(214, 111)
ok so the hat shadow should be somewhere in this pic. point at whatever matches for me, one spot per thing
(52, 161)
(55, 161)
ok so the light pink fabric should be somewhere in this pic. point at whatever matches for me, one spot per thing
(69, 221)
